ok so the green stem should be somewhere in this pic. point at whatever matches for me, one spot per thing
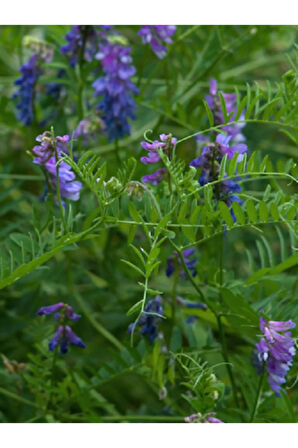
(9, 394)
(257, 400)
(58, 193)
(222, 337)
(226, 359)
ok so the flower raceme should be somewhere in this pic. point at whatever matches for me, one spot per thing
(149, 322)
(83, 42)
(64, 334)
(46, 154)
(209, 163)
(117, 105)
(25, 94)
(156, 36)
(276, 349)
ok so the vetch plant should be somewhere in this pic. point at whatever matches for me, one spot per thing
(160, 196)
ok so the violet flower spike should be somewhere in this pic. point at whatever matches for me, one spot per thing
(276, 350)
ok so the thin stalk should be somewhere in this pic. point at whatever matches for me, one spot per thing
(258, 396)
(58, 193)
(16, 397)
(226, 359)
(222, 337)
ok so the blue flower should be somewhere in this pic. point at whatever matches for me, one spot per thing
(25, 94)
(149, 322)
(64, 334)
(117, 105)
(63, 337)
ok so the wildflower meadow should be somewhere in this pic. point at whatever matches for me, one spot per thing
(148, 203)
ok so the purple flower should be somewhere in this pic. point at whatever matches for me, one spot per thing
(276, 350)
(46, 310)
(230, 99)
(209, 163)
(155, 178)
(89, 128)
(25, 94)
(82, 41)
(211, 419)
(64, 334)
(149, 322)
(174, 263)
(63, 337)
(46, 157)
(166, 144)
(199, 418)
(117, 105)
(156, 36)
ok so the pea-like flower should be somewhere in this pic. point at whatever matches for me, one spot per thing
(46, 157)
(157, 36)
(149, 322)
(64, 334)
(174, 263)
(166, 145)
(276, 349)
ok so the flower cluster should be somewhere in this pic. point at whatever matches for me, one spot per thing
(116, 88)
(89, 128)
(166, 145)
(213, 153)
(64, 334)
(31, 71)
(47, 152)
(174, 263)
(25, 94)
(82, 42)
(213, 100)
(276, 349)
(199, 418)
(209, 162)
(156, 36)
(149, 321)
